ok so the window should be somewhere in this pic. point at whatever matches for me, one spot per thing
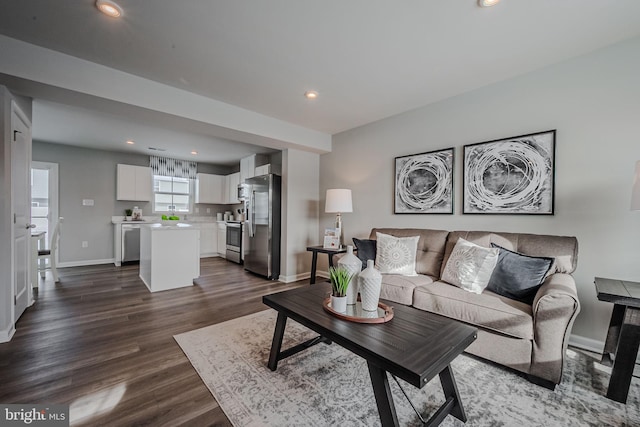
(172, 194)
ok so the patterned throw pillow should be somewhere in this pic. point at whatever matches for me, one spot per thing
(470, 266)
(396, 255)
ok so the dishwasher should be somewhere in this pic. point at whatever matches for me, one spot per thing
(130, 242)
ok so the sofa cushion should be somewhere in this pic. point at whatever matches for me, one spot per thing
(396, 255)
(518, 276)
(563, 249)
(487, 310)
(366, 250)
(400, 289)
(470, 266)
(430, 247)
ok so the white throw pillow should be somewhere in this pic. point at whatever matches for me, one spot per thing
(396, 255)
(470, 266)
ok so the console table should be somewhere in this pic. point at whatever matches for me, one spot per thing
(314, 259)
(623, 337)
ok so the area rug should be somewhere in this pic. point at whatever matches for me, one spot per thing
(327, 385)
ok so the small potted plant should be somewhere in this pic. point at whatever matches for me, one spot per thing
(340, 278)
(127, 214)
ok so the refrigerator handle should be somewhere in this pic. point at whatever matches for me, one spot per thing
(252, 225)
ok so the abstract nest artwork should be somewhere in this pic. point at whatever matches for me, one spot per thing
(510, 176)
(424, 183)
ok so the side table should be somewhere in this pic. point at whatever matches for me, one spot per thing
(314, 258)
(623, 337)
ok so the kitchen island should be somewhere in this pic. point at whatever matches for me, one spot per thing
(169, 255)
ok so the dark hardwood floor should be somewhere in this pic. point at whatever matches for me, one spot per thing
(100, 342)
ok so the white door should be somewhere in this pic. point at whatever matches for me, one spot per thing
(21, 209)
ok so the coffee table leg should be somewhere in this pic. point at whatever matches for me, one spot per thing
(276, 344)
(613, 334)
(314, 265)
(451, 392)
(626, 354)
(382, 392)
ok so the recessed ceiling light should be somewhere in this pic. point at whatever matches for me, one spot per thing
(488, 3)
(109, 8)
(311, 94)
(130, 142)
(194, 152)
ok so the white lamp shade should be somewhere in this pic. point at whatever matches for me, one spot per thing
(635, 192)
(338, 201)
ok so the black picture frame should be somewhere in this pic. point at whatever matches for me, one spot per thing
(513, 175)
(424, 183)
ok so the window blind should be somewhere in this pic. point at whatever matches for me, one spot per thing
(165, 166)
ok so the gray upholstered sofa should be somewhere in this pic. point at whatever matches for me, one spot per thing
(528, 338)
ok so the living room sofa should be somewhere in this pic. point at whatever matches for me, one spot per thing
(530, 338)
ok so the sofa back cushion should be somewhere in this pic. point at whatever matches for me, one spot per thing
(564, 249)
(430, 251)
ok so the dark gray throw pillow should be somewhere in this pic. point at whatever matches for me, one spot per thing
(366, 250)
(518, 276)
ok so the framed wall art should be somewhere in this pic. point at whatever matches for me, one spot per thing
(510, 176)
(424, 183)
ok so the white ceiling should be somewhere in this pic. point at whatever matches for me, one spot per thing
(368, 59)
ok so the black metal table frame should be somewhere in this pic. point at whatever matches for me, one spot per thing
(379, 379)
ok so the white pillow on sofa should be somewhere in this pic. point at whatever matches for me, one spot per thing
(396, 255)
(470, 266)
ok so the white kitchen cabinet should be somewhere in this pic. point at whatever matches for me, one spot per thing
(210, 188)
(233, 181)
(263, 170)
(222, 239)
(134, 183)
(208, 239)
(163, 267)
(247, 167)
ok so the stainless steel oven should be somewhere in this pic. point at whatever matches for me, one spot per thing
(234, 242)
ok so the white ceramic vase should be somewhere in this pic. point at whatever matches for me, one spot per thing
(370, 283)
(339, 304)
(353, 265)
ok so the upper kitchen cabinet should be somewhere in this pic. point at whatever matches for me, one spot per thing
(210, 188)
(248, 165)
(134, 183)
(263, 170)
(233, 181)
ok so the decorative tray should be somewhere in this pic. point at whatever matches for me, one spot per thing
(355, 313)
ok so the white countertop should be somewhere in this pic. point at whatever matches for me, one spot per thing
(157, 220)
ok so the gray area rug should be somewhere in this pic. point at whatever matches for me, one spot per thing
(327, 385)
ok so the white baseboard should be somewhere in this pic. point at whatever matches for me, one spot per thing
(7, 334)
(293, 278)
(585, 343)
(85, 262)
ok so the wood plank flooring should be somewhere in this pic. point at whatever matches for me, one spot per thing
(101, 342)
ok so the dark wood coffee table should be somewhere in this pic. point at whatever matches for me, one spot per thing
(623, 336)
(415, 346)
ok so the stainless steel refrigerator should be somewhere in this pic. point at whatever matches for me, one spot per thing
(262, 225)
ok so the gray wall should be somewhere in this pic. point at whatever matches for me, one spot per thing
(91, 174)
(592, 101)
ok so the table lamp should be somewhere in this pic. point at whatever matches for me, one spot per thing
(635, 192)
(338, 201)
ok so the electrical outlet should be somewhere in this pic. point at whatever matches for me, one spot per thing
(208, 210)
(85, 244)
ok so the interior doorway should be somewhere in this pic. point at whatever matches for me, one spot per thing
(44, 197)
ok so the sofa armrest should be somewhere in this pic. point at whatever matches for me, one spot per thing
(555, 307)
